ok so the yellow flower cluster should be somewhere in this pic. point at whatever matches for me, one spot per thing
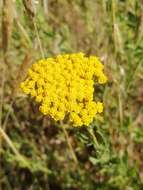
(64, 86)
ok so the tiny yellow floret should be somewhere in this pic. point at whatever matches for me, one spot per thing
(64, 86)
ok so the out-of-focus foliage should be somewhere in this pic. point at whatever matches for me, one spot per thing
(110, 152)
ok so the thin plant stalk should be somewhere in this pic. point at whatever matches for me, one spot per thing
(95, 142)
(11, 145)
(69, 144)
(39, 41)
(113, 9)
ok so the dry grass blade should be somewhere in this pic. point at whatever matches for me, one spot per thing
(30, 8)
(10, 143)
(139, 33)
(23, 31)
(7, 22)
(45, 6)
(31, 11)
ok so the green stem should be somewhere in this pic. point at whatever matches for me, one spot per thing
(69, 144)
(95, 142)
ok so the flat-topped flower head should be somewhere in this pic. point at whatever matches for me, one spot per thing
(64, 86)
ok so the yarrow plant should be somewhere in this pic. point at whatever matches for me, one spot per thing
(64, 87)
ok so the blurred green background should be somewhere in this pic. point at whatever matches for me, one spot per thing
(35, 152)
